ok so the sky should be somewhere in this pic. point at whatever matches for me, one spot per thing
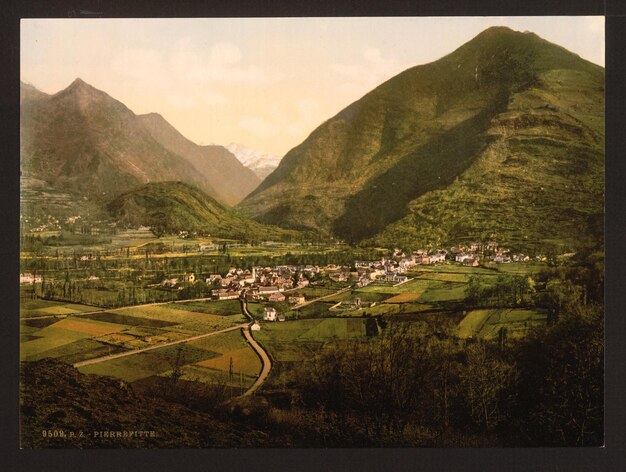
(265, 83)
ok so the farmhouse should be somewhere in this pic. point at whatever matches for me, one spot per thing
(170, 282)
(29, 278)
(267, 290)
(228, 295)
(276, 297)
(297, 299)
(400, 278)
(189, 277)
(471, 262)
(269, 314)
(255, 326)
(439, 257)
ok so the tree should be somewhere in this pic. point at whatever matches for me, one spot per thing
(483, 380)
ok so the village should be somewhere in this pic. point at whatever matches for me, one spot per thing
(281, 283)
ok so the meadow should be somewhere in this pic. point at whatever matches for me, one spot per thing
(487, 323)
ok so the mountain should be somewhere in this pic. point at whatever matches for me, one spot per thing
(169, 207)
(261, 163)
(231, 179)
(83, 142)
(502, 138)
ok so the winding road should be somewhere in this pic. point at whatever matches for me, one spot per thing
(266, 362)
(246, 328)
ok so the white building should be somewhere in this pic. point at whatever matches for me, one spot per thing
(269, 314)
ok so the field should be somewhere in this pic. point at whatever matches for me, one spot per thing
(227, 358)
(487, 323)
(204, 360)
(30, 308)
(73, 339)
(62, 333)
(221, 307)
(296, 340)
(188, 320)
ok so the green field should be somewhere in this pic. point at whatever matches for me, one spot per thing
(29, 308)
(188, 320)
(487, 323)
(220, 307)
(283, 339)
(62, 333)
(203, 360)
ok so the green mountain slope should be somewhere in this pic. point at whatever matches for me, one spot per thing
(455, 149)
(170, 207)
(229, 177)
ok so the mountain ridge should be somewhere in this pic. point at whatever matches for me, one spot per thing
(230, 178)
(170, 207)
(83, 141)
(359, 173)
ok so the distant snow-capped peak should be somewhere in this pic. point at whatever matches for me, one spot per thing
(262, 163)
(251, 157)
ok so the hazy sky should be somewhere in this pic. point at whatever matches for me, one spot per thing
(263, 83)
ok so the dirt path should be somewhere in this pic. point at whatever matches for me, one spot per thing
(158, 346)
(266, 362)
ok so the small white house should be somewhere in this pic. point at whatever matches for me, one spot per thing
(269, 314)
(255, 326)
(29, 278)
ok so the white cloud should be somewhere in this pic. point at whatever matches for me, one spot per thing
(222, 64)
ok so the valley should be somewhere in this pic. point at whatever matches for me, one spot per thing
(426, 269)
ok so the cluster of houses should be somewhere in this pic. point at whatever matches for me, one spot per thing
(259, 283)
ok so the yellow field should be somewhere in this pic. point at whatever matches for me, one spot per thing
(404, 297)
(58, 310)
(244, 360)
(51, 338)
(221, 343)
(88, 327)
(190, 320)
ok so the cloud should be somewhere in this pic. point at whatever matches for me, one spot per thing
(221, 64)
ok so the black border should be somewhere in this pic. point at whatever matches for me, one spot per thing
(610, 457)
